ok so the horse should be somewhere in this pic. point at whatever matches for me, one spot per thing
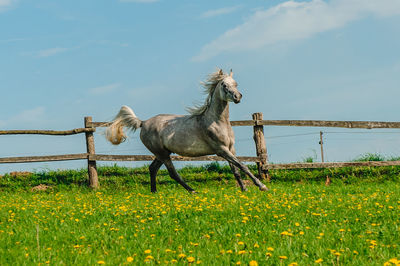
(206, 130)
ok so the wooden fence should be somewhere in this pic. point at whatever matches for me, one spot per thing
(261, 158)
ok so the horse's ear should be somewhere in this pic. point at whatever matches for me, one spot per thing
(220, 72)
(231, 74)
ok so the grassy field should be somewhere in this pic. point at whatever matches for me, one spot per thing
(300, 221)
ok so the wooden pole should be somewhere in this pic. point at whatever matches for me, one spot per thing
(321, 142)
(261, 148)
(92, 169)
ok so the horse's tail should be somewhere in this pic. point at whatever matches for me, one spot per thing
(125, 118)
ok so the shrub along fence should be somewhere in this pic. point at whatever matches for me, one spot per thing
(261, 158)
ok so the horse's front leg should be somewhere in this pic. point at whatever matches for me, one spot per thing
(227, 155)
(236, 173)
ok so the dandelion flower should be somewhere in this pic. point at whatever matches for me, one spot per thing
(253, 263)
(282, 257)
(190, 259)
(147, 251)
(129, 259)
(101, 262)
(319, 260)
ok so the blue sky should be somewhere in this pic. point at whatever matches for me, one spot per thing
(328, 60)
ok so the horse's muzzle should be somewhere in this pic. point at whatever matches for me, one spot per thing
(237, 97)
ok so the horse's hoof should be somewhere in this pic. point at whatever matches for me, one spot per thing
(264, 188)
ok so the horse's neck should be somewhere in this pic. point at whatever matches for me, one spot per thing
(218, 110)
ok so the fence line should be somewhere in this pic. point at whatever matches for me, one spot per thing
(261, 158)
(47, 132)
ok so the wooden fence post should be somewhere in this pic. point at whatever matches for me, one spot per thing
(261, 148)
(92, 169)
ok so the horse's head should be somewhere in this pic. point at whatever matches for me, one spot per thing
(228, 88)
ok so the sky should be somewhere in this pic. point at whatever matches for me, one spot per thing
(321, 60)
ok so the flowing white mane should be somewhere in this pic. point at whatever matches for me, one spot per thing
(209, 87)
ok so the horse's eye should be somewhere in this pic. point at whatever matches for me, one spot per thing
(224, 85)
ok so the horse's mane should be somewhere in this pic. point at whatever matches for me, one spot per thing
(209, 87)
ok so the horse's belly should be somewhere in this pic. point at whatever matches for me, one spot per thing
(190, 148)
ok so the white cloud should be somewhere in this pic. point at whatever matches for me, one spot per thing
(51, 51)
(30, 117)
(5, 4)
(295, 20)
(104, 89)
(218, 12)
(139, 1)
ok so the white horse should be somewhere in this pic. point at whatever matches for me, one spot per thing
(205, 131)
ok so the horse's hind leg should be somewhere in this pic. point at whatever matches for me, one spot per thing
(174, 175)
(236, 173)
(154, 167)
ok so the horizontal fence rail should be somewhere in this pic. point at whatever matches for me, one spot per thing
(261, 148)
(48, 158)
(318, 123)
(47, 132)
(301, 123)
(106, 157)
(330, 165)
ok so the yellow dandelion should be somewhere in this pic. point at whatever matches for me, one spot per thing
(253, 263)
(270, 249)
(256, 245)
(282, 257)
(190, 259)
(101, 262)
(240, 243)
(229, 251)
(394, 261)
(147, 251)
(149, 257)
(293, 264)
(181, 255)
(242, 252)
(319, 260)
(129, 259)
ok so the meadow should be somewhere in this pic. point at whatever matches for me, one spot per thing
(300, 221)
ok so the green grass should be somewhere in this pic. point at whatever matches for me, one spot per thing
(355, 221)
